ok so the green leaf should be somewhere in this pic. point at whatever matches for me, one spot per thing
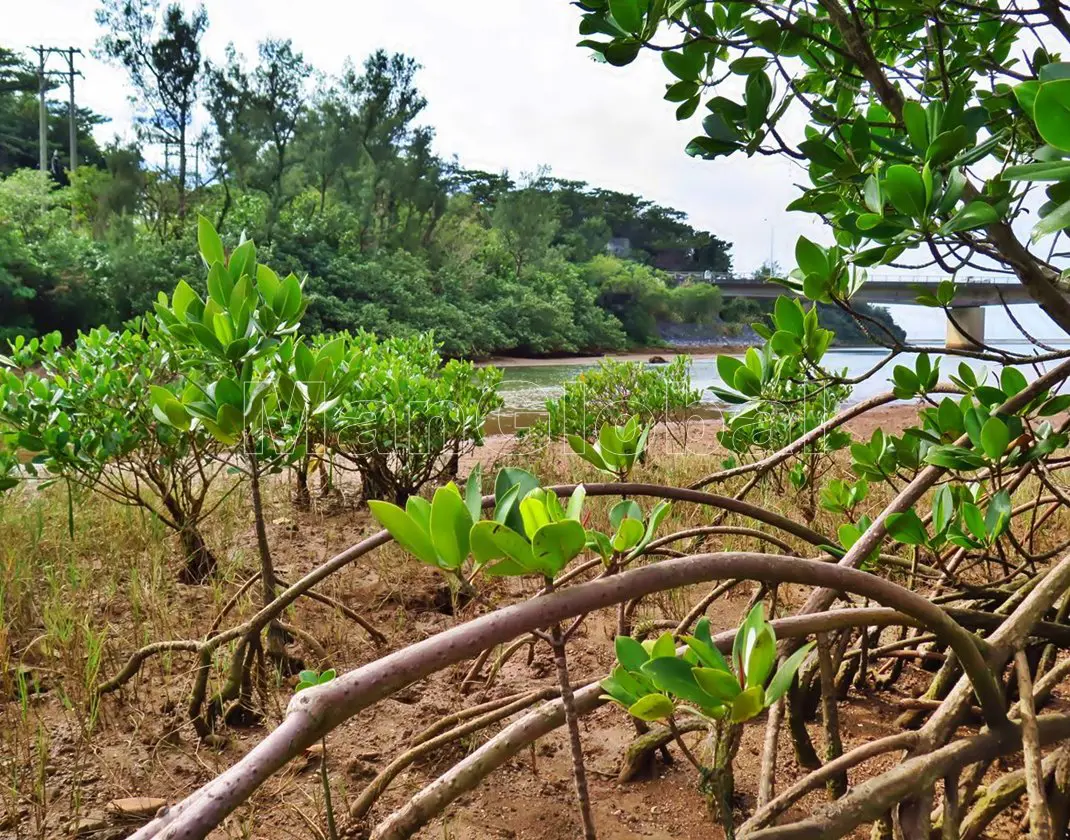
(785, 674)
(971, 515)
(534, 514)
(287, 303)
(747, 705)
(660, 511)
(627, 13)
(722, 685)
(663, 645)
(617, 690)
(745, 635)
(450, 525)
(758, 94)
(624, 509)
(242, 261)
(473, 492)
(974, 215)
(628, 534)
(575, 502)
(621, 53)
(405, 531)
(789, 315)
(759, 654)
(1053, 170)
(998, 514)
(916, 124)
(554, 545)
(630, 653)
(719, 129)
(953, 458)
(681, 91)
(492, 540)
(748, 65)
(943, 508)
(674, 676)
(706, 652)
(906, 190)
(652, 707)
(1012, 381)
(586, 451)
(1026, 94)
(907, 528)
(872, 195)
(505, 508)
(183, 298)
(420, 510)
(683, 65)
(211, 246)
(1056, 220)
(995, 436)
(1052, 112)
(811, 257)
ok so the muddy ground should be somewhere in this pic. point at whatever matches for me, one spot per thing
(67, 771)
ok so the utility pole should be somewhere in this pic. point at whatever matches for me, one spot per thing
(42, 112)
(42, 87)
(73, 112)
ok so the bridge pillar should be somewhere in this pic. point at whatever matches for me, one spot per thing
(972, 321)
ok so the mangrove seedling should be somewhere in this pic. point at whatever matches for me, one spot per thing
(656, 684)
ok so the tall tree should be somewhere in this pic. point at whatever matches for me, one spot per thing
(256, 115)
(162, 56)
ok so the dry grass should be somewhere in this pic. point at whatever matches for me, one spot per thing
(73, 606)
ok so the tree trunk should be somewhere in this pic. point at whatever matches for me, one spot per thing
(276, 646)
(579, 772)
(302, 497)
(200, 563)
(182, 174)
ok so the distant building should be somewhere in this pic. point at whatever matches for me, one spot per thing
(619, 246)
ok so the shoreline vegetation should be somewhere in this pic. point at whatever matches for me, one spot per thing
(706, 351)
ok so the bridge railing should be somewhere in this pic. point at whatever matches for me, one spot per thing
(905, 279)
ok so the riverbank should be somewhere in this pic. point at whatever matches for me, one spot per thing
(705, 351)
(668, 354)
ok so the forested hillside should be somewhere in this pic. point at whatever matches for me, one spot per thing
(335, 178)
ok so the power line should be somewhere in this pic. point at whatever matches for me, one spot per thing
(43, 54)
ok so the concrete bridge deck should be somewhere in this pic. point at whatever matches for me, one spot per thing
(974, 292)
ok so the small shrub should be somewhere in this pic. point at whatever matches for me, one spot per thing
(617, 390)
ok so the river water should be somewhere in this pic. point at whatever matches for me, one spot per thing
(525, 388)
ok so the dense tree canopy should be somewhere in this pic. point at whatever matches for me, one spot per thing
(337, 178)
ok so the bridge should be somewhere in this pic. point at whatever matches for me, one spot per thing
(973, 293)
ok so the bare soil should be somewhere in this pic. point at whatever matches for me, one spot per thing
(142, 745)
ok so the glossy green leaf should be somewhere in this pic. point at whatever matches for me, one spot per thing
(663, 645)
(209, 243)
(722, 685)
(1052, 113)
(630, 653)
(785, 674)
(907, 528)
(651, 708)
(675, 676)
(405, 531)
(905, 189)
(747, 705)
(492, 541)
(995, 436)
(450, 526)
(554, 545)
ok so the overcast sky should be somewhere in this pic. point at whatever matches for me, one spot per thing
(507, 89)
